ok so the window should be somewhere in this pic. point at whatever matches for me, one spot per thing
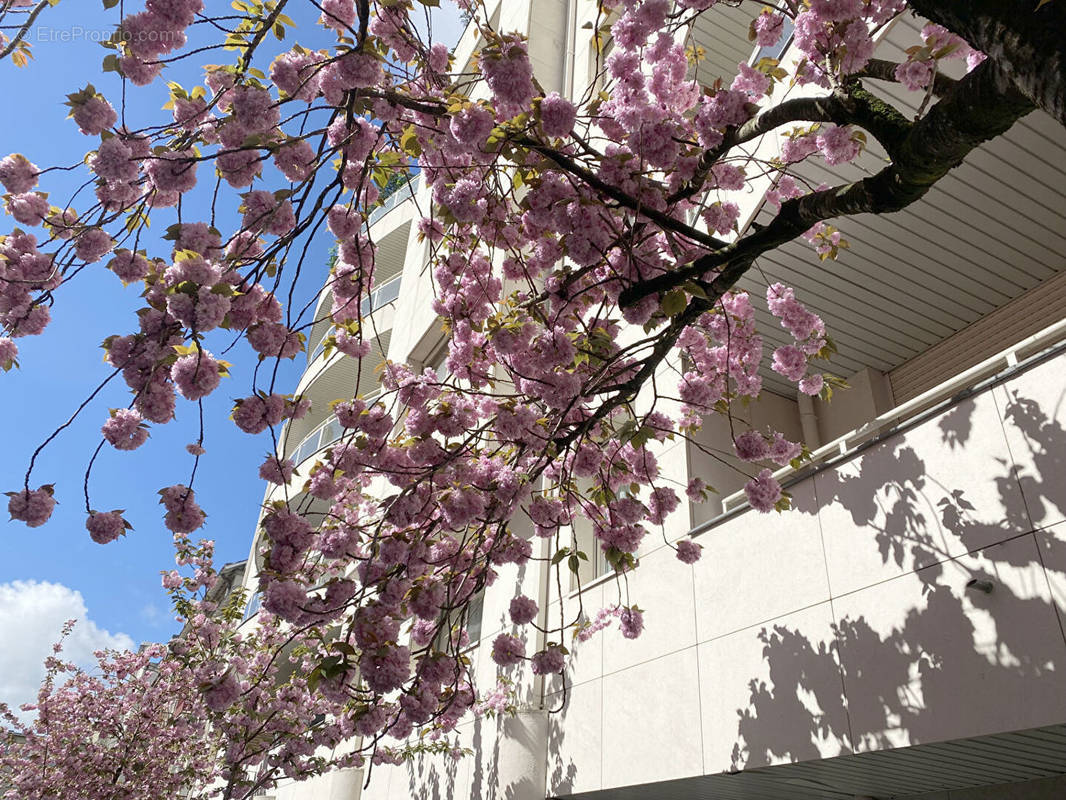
(777, 50)
(596, 564)
(437, 360)
(475, 611)
(253, 606)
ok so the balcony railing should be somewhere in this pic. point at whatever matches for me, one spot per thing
(324, 435)
(911, 412)
(403, 193)
(379, 298)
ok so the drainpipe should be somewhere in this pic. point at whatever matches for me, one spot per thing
(808, 421)
(569, 49)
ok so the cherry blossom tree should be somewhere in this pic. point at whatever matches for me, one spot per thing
(584, 254)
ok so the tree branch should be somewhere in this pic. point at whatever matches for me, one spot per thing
(1024, 37)
(616, 194)
(984, 105)
(882, 70)
(855, 107)
(9, 48)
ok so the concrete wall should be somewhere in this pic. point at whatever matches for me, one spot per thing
(844, 625)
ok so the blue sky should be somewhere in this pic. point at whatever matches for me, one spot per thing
(118, 584)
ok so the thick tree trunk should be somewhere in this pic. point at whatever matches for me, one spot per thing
(1028, 43)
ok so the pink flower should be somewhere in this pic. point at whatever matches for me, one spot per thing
(768, 28)
(439, 56)
(385, 669)
(223, 693)
(696, 490)
(782, 451)
(662, 502)
(285, 599)
(176, 171)
(509, 74)
(172, 579)
(183, 513)
(721, 217)
(93, 244)
(836, 144)
(557, 115)
(751, 81)
(295, 160)
(277, 471)
(18, 173)
(29, 208)
(33, 507)
(125, 430)
(688, 552)
(105, 526)
(523, 610)
(471, 126)
(8, 353)
(751, 446)
(631, 621)
(94, 115)
(763, 491)
(549, 661)
(915, 75)
(812, 384)
(790, 362)
(254, 414)
(130, 267)
(338, 14)
(196, 375)
(507, 650)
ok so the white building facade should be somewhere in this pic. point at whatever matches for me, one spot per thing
(900, 632)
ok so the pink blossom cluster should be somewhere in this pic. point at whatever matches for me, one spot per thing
(916, 73)
(125, 429)
(24, 271)
(808, 331)
(508, 74)
(32, 506)
(105, 526)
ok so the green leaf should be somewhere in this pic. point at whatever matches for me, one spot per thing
(674, 303)
(342, 647)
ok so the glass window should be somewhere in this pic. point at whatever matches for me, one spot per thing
(253, 606)
(474, 612)
(777, 50)
(596, 564)
(331, 432)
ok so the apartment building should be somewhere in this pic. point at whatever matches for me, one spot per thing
(900, 632)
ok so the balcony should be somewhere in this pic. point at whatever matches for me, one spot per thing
(405, 192)
(379, 298)
(328, 432)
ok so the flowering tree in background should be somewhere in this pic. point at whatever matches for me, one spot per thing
(584, 254)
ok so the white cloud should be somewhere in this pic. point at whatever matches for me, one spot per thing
(32, 614)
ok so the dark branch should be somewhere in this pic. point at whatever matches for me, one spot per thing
(882, 70)
(1025, 40)
(984, 105)
(855, 107)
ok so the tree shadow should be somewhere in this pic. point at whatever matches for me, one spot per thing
(923, 657)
